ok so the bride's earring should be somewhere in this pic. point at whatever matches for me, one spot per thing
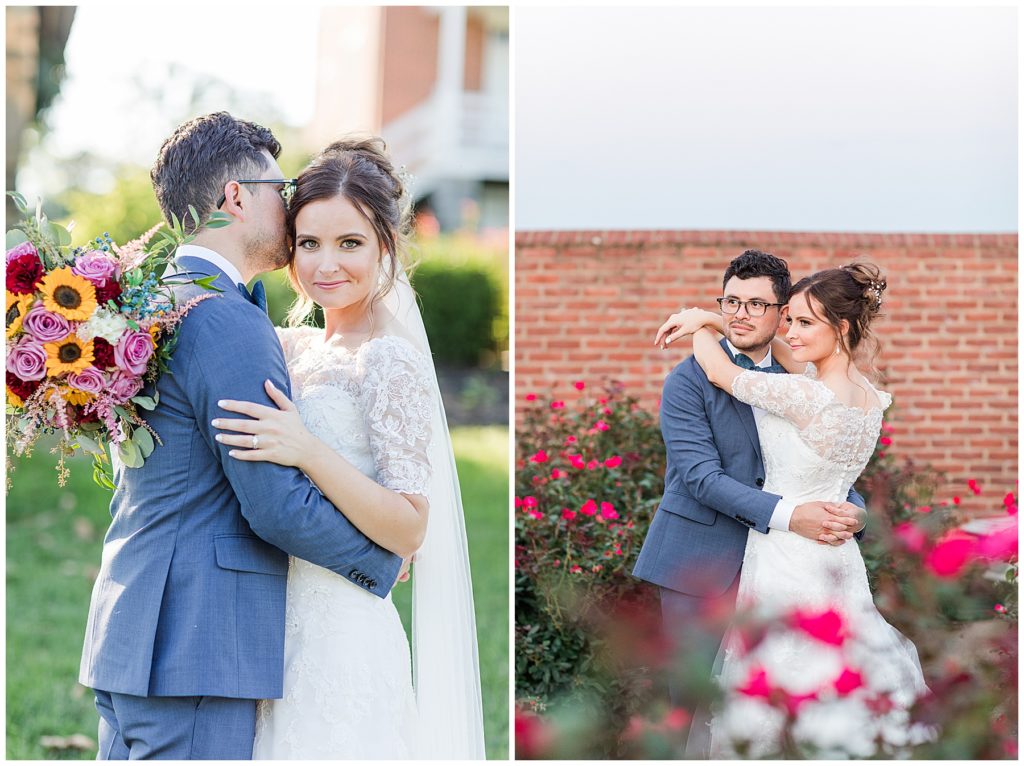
(837, 349)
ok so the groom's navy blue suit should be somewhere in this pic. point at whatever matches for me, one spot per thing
(713, 496)
(186, 625)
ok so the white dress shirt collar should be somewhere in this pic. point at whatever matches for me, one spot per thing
(218, 260)
(766, 362)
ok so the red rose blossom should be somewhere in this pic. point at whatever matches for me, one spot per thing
(103, 353)
(23, 274)
(110, 291)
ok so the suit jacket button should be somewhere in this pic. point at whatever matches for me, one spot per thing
(372, 583)
(760, 482)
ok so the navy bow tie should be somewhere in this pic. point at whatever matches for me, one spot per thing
(257, 296)
(744, 361)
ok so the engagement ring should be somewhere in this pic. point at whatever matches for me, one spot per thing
(255, 441)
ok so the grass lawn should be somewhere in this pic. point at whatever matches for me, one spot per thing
(54, 537)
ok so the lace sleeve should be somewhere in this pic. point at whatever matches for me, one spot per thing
(289, 339)
(397, 406)
(797, 398)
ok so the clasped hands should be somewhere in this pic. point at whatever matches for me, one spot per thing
(827, 523)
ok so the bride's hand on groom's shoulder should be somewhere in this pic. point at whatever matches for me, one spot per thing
(274, 435)
(683, 323)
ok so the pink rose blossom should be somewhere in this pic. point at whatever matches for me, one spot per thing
(576, 461)
(580, 385)
(570, 439)
(531, 397)
(601, 425)
(589, 508)
(951, 554)
(539, 457)
(613, 462)
(557, 474)
(529, 502)
(592, 465)
(557, 405)
(95, 266)
(25, 248)
(27, 359)
(848, 681)
(133, 351)
(568, 515)
(825, 626)
(90, 379)
(123, 387)
(45, 326)
(537, 514)
(608, 511)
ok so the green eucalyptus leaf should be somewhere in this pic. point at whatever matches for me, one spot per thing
(218, 220)
(130, 454)
(144, 440)
(19, 201)
(146, 403)
(121, 411)
(133, 324)
(15, 237)
(87, 444)
(195, 216)
(59, 234)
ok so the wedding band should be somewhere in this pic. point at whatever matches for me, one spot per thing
(255, 441)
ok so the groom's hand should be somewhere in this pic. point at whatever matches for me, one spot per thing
(403, 573)
(815, 522)
(845, 511)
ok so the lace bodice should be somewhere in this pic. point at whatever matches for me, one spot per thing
(348, 683)
(833, 441)
(372, 405)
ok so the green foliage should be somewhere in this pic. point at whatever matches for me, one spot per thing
(589, 477)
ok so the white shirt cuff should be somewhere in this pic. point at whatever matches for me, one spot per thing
(782, 514)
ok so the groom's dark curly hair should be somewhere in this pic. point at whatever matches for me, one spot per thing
(756, 263)
(201, 156)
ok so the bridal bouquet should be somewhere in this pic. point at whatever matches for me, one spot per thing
(87, 329)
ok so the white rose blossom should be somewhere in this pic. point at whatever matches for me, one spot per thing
(103, 324)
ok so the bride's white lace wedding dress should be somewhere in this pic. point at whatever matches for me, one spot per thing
(347, 681)
(814, 448)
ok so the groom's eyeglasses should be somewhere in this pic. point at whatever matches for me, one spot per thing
(285, 191)
(754, 308)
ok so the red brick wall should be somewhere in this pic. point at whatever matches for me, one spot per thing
(588, 304)
(409, 59)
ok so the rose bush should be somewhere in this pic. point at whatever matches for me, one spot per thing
(590, 658)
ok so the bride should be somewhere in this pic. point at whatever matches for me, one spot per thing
(367, 427)
(823, 424)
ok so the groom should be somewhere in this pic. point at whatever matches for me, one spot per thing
(715, 472)
(187, 621)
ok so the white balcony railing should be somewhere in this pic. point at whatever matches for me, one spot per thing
(463, 136)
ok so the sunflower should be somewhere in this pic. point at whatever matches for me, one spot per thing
(67, 294)
(154, 333)
(68, 394)
(17, 307)
(71, 354)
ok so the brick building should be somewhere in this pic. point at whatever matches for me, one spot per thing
(434, 82)
(589, 302)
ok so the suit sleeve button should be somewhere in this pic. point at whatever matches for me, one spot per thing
(760, 482)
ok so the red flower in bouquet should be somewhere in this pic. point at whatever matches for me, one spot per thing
(24, 269)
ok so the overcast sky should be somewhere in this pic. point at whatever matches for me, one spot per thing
(843, 119)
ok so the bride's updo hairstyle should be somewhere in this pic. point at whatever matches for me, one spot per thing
(854, 293)
(358, 169)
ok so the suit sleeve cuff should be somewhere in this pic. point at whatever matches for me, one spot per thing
(782, 514)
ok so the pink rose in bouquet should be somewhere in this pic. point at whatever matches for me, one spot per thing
(90, 379)
(96, 266)
(123, 386)
(133, 351)
(27, 359)
(45, 326)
